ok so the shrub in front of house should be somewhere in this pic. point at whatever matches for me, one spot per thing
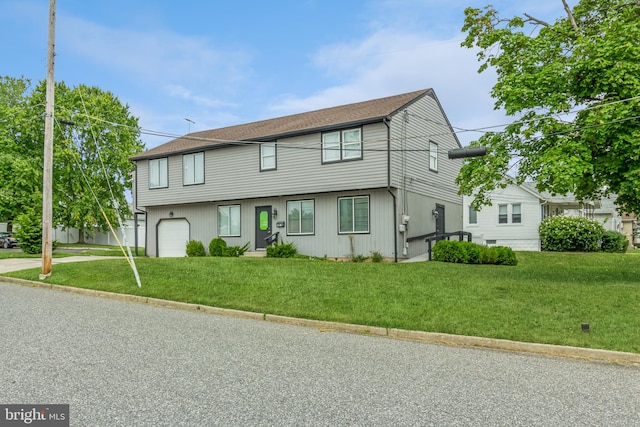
(473, 253)
(449, 251)
(195, 248)
(282, 250)
(565, 233)
(505, 256)
(218, 247)
(614, 241)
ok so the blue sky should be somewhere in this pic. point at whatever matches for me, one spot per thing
(220, 63)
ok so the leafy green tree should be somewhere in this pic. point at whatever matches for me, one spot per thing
(94, 137)
(573, 89)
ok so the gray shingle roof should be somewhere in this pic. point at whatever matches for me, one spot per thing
(296, 124)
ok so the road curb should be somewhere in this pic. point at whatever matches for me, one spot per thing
(327, 326)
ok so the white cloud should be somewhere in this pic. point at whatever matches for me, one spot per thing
(159, 57)
(391, 62)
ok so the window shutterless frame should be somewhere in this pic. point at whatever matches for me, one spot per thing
(300, 217)
(158, 173)
(353, 215)
(268, 156)
(342, 145)
(193, 169)
(229, 221)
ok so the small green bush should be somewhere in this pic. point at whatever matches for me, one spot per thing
(235, 251)
(505, 256)
(29, 233)
(359, 258)
(489, 254)
(449, 251)
(282, 250)
(473, 251)
(217, 247)
(376, 256)
(195, 248)
(565, 233)
(614, 241)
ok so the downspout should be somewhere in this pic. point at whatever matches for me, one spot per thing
(393, 196)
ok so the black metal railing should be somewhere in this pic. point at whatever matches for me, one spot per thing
(436, 237)
(272, 238)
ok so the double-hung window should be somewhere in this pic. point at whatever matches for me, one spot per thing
(267, 156)
(516, 213)
(158, 175)
(300, 217)
(342, 145)
(433, 156)
(229, 220)
(353, 214)
(193, 168)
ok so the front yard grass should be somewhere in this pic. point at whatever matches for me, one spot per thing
(544, 299)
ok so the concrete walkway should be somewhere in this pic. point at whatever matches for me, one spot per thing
(15, 264)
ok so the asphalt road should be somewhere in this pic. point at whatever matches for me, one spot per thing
(125, 364)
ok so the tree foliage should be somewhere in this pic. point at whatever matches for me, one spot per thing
(573, 88)
(94, 137)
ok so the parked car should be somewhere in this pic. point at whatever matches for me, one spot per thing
(7, 240)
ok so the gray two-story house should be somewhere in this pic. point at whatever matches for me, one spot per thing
(339, 181)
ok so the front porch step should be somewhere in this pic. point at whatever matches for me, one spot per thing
(255, 254)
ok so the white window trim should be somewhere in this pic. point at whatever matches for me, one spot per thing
(509, 213)
(163, 172)
(301, 233)
(228, 209)
(190, 177)
(433, 156)
(471, 209)
(342, 146)
(264, 156)
(353, 215)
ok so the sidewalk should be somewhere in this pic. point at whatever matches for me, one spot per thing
(15, 264)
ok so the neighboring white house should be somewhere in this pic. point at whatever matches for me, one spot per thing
(517, 210)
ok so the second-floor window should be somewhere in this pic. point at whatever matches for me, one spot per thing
(267, 156)
(193, 168)
(433, 156)
(342, 145)
(158, 175)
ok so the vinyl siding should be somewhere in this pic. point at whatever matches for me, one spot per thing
(234, 172)
(410, 136)
(522, 236)
(325, 241)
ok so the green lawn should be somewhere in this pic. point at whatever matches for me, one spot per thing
(544, 299)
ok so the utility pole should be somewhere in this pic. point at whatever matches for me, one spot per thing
(47, 175)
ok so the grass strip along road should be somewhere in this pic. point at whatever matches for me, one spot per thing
(544, 299)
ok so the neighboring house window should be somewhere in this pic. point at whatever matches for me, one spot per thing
(193, 168)
(353, 214)
(502, 214)
(516, 213)
(433, 156)
(229, 220)
(341, 145)
(300, 217)
(158, 176)
(473, 215)
(267, 156)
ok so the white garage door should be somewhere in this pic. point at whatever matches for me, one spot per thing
(173, 235)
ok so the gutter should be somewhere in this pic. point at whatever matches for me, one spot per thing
(385, 120)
